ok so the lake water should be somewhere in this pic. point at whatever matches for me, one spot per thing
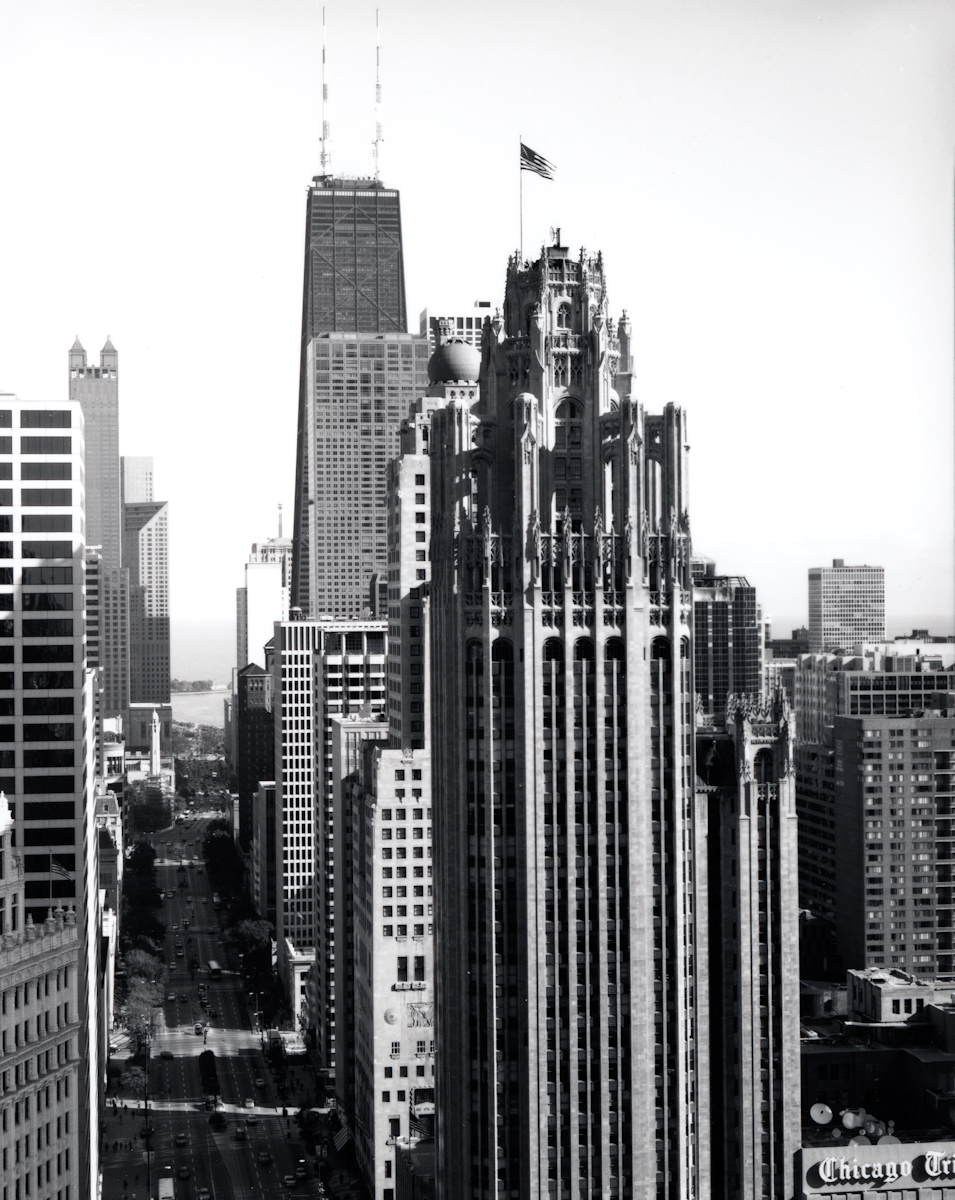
(199, 708)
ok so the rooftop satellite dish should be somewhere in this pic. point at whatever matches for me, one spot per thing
(821, 1113)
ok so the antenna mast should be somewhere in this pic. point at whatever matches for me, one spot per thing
(326, 155)
(378, 138)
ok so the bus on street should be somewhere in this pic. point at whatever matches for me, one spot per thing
(167, 1188)
(214, 969)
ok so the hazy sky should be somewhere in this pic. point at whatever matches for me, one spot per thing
(770, 182)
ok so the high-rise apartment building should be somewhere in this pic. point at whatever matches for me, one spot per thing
(360, 371)
(846, 606)
(727, 637)
(263, 599)
(321, 669)
(569, 901)
(146, 556)
(97, 391)
(893, 845)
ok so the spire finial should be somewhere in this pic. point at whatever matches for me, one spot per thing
(378, 138)
(325, 157)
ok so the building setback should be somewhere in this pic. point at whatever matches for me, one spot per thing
(360, 370)
(568, 902)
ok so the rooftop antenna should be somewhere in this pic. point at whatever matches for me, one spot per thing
(326, 154)
(280, 522)
(378, 138)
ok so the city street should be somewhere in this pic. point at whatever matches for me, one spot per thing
(259, 1152)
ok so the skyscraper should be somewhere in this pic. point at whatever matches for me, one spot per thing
(97, 390)
(568, 901)
(359, 373)
(846, 606)
(263, 599)
(146, 556)
(137, 479)
(321, 669)
(727, 637)
(46, 697)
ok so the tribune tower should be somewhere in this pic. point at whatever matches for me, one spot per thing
(570, 943)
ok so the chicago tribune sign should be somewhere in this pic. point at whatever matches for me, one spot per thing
(847, 1169)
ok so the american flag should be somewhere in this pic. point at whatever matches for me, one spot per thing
(532, 161)
(57, 868)
(341, 1137)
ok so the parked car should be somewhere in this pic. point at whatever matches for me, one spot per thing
(171, 996)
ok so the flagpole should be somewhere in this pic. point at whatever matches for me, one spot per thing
(520, 172)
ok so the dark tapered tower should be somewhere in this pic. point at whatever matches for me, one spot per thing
(569, 932)
(360, 371)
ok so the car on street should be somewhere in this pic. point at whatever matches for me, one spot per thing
(240, 1132)
(183, 1172)
(260, 1083)
(197, 1028)
(171, 996)
(249, 1102)
(213, 1013)
(264, 1158)
(173, 926)
(205, 899)
(251, 1119)
(181, 1139)
(183, 997)
(203, 1193)
(185, 924)
(300, 1172)
(289, 1180)
(179, 954)
(165, 1054)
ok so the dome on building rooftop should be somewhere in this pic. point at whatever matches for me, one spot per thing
(454, 361)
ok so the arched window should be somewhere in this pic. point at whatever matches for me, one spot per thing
(764, 767)
(584, 650)
(553, 650)
(613, 650)
(660, 648)
(563, 316)
(502, 651)
(567, 410)
(568, 463)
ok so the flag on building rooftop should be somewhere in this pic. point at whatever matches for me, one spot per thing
(532, 161)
